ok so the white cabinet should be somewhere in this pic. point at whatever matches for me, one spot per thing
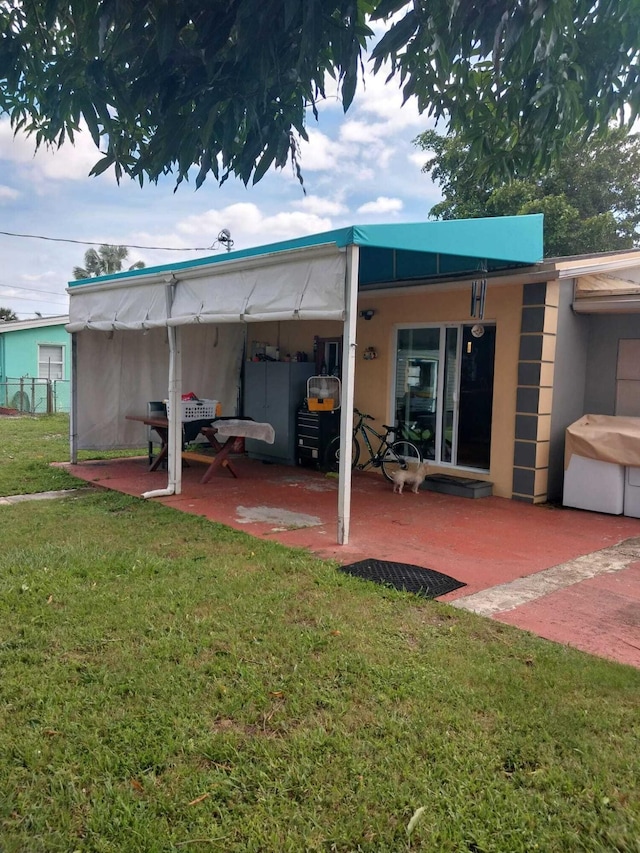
(595, 485)
(632, 492)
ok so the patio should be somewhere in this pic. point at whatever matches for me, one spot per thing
(592, 601)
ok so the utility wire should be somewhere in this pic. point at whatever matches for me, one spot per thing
(31, 289)
(30, 299)
(115, 245)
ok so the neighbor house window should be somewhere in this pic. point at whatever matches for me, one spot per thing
(50, 361)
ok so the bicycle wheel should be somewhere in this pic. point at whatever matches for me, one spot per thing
(332, 454)
(400, 455)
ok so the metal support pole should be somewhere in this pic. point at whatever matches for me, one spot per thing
(73, 407)
(348, 384)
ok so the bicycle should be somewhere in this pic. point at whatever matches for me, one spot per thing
(390, 456)
(422, 432)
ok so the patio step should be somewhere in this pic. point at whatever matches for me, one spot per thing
(463, 487)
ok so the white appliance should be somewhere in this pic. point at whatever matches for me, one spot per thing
(632, 492)
(595, 485)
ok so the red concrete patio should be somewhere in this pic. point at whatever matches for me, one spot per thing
(488, 543)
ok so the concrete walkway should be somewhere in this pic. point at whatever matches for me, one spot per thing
(603, 612)
(38, 496)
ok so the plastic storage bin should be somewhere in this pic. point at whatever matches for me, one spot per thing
(594, 485)
(198, 410)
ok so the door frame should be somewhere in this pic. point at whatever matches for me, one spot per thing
(442, 327)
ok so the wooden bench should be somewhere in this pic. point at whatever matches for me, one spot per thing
(213, 460)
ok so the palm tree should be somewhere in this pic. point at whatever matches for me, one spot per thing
(107, 260)
(7, 314)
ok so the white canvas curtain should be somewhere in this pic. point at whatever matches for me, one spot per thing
(142, 304)
(294, 288)
(122, 348)
(118, 373)
(284, 286)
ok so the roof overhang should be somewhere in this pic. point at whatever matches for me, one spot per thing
(304, 278)
(37, 323)
(608, 292)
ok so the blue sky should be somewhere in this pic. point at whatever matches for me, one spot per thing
(360, 168)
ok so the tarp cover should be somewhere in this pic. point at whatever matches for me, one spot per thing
(302, 278)
(605, 437)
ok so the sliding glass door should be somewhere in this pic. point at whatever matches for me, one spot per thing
(444, 391)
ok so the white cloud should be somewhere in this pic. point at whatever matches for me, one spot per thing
(321, 206)
(383, 100)
(382, 205)
(48, 276)
(8, 193)
(320, 153)
(419, 158)
(362, 132)
(70, 162)
(248, 225)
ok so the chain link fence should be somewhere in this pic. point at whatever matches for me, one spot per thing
(35, 396)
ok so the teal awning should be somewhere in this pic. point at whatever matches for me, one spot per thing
(401, 251)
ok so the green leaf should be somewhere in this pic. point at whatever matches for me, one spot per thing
(386, 8)
(102, 165)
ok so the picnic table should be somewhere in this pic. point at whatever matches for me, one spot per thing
(228, 429)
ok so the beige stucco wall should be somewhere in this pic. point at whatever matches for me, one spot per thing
(374, 378)
(292, 336)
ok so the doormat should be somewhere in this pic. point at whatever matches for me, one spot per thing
(404, 576)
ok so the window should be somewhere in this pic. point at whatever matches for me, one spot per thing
(50, 361)
(328, 355)
(444, 391)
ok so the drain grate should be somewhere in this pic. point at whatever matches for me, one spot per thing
(404, 576)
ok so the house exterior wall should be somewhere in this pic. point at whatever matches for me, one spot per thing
(551, 367)
(605, 333)
(21, 350)
(374, 378)
(19, 359)
(570, 374)
(535, 365)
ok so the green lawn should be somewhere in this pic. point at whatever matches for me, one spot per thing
(168, 684)
(28, 444)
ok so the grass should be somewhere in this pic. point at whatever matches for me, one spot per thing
(169, 684)
(29, 444)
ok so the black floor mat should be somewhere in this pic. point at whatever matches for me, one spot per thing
(404, 576)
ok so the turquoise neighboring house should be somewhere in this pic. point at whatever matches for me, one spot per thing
(35, 365)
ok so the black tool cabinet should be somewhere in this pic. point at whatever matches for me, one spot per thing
(314, 431)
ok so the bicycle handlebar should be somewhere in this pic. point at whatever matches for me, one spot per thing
(363, 416)
(390, 429)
